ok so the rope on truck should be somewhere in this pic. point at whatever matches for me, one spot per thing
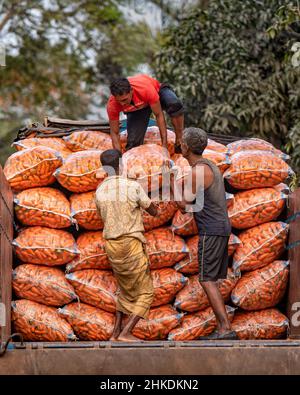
(4, 346)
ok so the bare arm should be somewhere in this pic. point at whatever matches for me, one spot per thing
(200, 176)
(115, 134)
(152, 210)
(161, 123)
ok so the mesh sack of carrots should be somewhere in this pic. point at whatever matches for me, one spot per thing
(254, 144)
(184, 224)
(214, 146)
(201, 323)
(45, 246)
(193, 297)
(88, 140)
(95, 287)
(262, 288)
(42, 284)
(165, 212)
(256, 169)
(43, 207)
(220, 159)
(255, 207)
(260, 246)
(88, 322)
(55, 143)
(166, 282)
(145, 165)
(164, 248)
(264, 324)
(81, 171)
(37, 322)
(189, 265)
(92, 253)
(84, 211)
(152, 136)
(160, 322)
(32, 167)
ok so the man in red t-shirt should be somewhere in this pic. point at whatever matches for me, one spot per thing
(138, 97)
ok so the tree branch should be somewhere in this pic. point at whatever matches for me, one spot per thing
(166, 8)
(6, 18)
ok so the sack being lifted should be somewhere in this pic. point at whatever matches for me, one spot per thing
(145, 165)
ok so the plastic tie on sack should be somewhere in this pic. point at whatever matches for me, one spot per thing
(183, 280)
(59, 156)
(285, 156)
(283, 195)
(70, 276)
(227, 159)
(235, 299)
(56, 173)
(291, 172)
(229, 196)
(76, 249)
(179, 316)
(170, 336)
(72, 337)
(185, 249)
(68, 267)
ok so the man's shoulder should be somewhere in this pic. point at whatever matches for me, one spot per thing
(112, 101)
(144, 78)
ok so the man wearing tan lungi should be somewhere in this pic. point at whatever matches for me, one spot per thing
(119, 201)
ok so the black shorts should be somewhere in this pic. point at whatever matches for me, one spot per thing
(213, 257)
(137, 121)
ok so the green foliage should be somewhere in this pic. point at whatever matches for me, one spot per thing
(58, 54)
(234, 77)
(65, 51)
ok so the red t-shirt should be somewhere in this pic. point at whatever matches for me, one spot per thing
(145, 93)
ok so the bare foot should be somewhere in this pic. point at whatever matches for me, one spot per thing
(113, 339)
(128, 338)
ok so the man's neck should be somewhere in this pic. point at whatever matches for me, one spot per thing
(193, 159)
(117, 173)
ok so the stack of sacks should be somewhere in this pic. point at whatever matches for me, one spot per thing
(258, 171)
(47, 304)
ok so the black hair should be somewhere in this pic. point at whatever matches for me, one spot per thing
(196, 140)
(110, 160)
(120, 86)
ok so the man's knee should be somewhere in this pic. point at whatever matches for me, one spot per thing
(175, 109)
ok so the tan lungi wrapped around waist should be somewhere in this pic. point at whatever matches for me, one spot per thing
(130, 264)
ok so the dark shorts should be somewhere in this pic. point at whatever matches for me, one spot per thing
(137, 121)
(213, 257)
